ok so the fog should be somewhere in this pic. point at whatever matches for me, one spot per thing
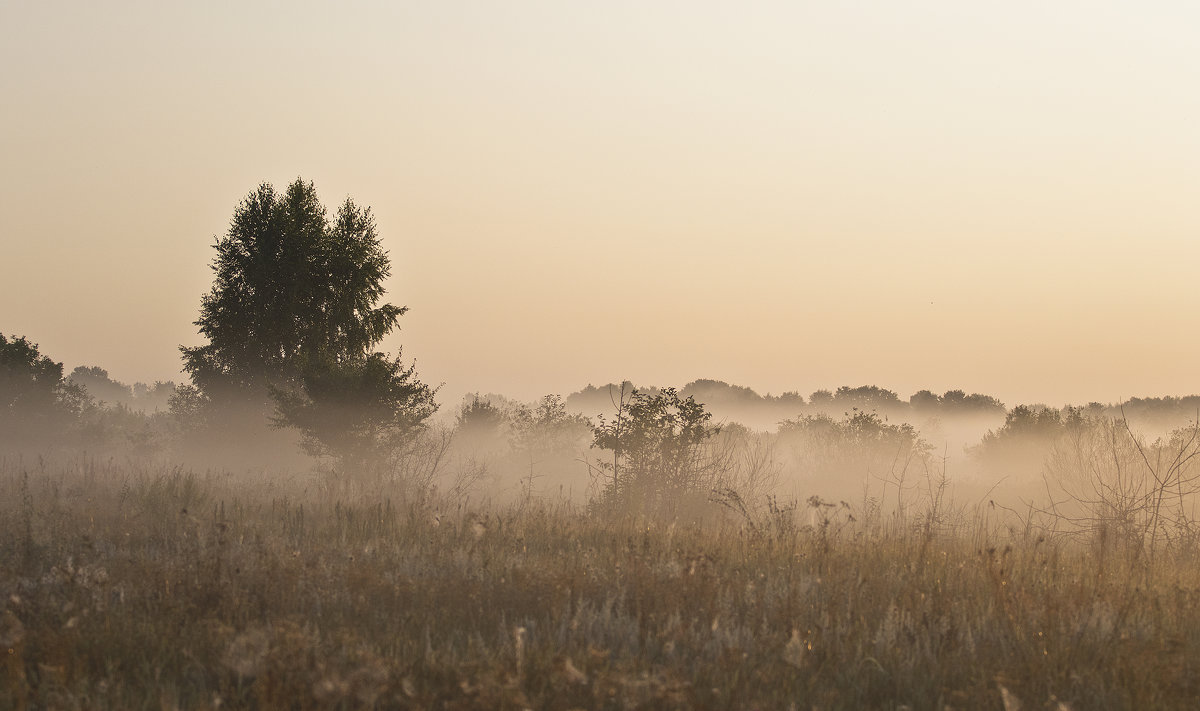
(864, 448)
(547, 354)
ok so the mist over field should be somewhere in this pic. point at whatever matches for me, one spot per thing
(301, 523)
(619, 547)
(864, 445)
(622, 355)
(706, 452)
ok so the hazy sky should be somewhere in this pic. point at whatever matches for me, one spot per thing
(1002, 197)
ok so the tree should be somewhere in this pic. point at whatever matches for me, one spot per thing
(100, 387)
(358, 410)
(959, 402)
(857, 441)
(861, 447)
(924, 401)
(657, 455)
(481, 422)
(34, 396)
(548, 427)
(152, 398)
(866, 397)
(292, 321)
(1032, 425)
(821, 398)
(289, 284)
(1029, 434)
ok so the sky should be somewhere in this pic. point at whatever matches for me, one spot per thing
(997, 197)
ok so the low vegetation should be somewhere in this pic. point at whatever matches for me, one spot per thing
(127, 585)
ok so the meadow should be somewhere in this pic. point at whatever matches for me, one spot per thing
(128, 584)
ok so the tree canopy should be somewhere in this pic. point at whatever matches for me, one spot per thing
(289, 285)
(34, 396)
(293, 319)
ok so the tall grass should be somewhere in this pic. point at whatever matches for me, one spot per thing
(132, 586)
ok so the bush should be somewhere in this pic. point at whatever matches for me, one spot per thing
(658, 455)
(1029, 434)
(1109, 484)
(840, 453)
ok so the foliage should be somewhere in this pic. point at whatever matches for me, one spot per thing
(656, 441)
(862, 446)
(119, 429)
(293, 313)
(924, 401)
(958, 401)
(548, 427)
(712, 392)
(357, 410)
(857, 435)
(34, 396)
(290, 287)
(480, 414)
(187, 405)
(954, 402)
(866, 397)
(112, 393)
(100, 387)
(1028, 434)
(155, 397)
(593, 399)
(1162, 414)
(482, 424)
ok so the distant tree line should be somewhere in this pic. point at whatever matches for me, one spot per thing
(105, 390)
(741, 403)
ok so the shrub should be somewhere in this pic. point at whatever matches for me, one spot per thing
(658, 453)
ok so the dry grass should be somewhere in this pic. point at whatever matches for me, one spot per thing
(128, 587)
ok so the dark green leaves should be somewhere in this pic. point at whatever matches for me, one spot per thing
(292, 321)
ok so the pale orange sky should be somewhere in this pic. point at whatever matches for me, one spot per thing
(931, 194)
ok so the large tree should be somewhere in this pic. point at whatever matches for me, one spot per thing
(294, 306)
(289, 284)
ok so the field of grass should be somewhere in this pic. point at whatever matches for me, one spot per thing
(130, 586)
